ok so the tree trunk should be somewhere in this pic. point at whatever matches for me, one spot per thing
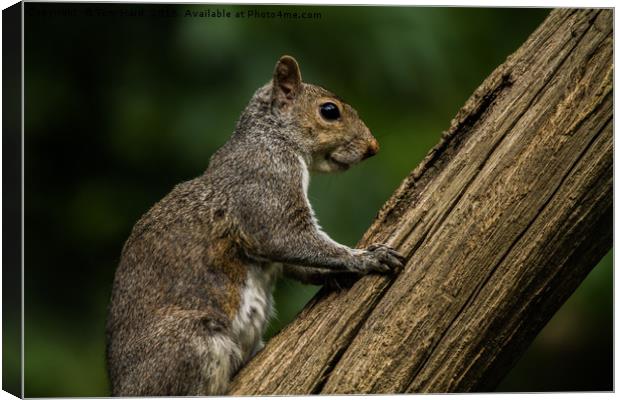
(500, 223)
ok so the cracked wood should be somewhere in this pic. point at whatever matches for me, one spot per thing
(500, 223)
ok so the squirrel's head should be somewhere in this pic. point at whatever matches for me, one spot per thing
(330, 128)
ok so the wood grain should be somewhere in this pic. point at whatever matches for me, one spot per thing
(500, 222)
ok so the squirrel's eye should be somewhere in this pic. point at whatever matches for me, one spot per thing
(330, 111)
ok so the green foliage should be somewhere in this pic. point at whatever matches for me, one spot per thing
(121, 107)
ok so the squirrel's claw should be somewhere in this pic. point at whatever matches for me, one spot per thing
(388, 255)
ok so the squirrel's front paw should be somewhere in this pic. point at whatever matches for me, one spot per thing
(378, 258)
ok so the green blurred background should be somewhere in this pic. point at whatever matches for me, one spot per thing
(123, 101)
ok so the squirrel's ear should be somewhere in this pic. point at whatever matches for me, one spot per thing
(286, 79)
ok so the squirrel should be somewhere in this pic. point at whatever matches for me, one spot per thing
(192, 293)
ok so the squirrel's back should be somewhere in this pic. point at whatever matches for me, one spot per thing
(180, 275)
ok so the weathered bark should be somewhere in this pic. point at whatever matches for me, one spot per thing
(501, 222)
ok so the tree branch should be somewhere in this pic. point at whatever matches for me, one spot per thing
(500, 223)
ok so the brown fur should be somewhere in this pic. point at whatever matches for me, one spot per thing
(192, 292)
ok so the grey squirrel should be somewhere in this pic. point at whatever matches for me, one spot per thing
(192, 293)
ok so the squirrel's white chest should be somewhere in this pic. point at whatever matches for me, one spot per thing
(256, 308)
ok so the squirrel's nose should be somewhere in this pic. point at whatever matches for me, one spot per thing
(372, 149)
